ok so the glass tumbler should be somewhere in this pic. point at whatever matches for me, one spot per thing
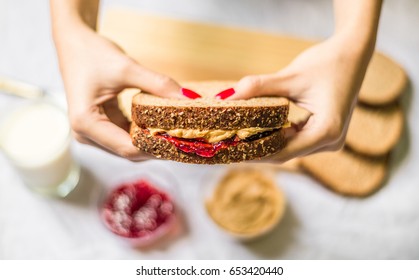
(36, 140)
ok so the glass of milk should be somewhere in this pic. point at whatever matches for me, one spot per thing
(36, 140)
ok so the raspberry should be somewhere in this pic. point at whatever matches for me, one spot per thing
(122, 203)
(166, 209)
(154, 201)
(145, 218)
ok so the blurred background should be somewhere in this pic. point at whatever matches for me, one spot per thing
(318, 223)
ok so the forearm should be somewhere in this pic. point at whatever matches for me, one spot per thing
(357, 22)
(73, 24)
(73, 15)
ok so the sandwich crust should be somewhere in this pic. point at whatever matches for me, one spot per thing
(220, 117)
(162, 148)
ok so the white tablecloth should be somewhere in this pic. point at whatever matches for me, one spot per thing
(318, 224)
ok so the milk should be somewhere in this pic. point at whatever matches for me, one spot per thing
(36, 139)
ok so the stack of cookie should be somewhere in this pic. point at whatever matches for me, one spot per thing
(361, 167)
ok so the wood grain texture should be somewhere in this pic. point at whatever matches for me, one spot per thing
(195, 51)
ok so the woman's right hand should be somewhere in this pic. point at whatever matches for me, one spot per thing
(94, 71)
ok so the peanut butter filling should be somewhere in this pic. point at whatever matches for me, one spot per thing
(214, 135)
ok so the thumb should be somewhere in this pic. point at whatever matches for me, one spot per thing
(261, 85)
(152, 82)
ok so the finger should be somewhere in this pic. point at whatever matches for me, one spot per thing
(111, 137)
(261, 85)
(321, 147)
(300, 143)
(149, 81)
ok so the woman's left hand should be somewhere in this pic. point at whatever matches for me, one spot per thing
(325, 80)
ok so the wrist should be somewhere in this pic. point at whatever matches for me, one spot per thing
(73, 17)
(356, 24)
(71, 34)
(355, 46)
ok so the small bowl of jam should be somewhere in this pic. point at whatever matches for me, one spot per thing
(141, 210)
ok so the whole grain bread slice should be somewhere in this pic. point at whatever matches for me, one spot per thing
(149, 111)
(161, 148)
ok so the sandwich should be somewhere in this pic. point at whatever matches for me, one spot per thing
(207, 130)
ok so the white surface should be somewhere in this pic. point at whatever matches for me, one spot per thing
(318, 223)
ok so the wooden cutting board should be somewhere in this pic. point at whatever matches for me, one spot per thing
(190, 51)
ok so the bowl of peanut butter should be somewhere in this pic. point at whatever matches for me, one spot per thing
(245, 202)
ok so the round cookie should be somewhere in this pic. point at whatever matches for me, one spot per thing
(374, 131)
(347, 173)
(384, 81)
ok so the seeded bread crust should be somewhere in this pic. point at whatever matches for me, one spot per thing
(243, 151)
(208, 117)
(208, 112)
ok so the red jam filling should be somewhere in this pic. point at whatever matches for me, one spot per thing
(199, 146)
(135, 210)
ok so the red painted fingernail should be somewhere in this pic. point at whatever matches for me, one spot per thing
(226, 93)
(190, 93)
